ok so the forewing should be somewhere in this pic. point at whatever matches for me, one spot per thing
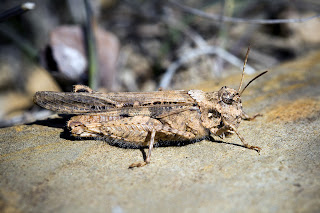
(128, 103)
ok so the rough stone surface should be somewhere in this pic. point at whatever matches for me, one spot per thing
(43, 170)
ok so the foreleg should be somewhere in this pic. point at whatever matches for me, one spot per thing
(256, 148)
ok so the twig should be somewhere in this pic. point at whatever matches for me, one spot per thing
(18, 10)
(27, 117)
(19, 40)
(222, 34)
(219, 18)
(92, 48)
(166, 79)
(198, 40)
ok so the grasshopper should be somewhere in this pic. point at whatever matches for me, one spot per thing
(145, 118)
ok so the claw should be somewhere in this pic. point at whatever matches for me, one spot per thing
(255, 148)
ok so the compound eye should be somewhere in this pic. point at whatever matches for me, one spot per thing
(227, 98)
(213, 114)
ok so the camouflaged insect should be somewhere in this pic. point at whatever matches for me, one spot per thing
(145, 118)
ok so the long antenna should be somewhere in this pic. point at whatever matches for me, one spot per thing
(251, 81)
(244, 66)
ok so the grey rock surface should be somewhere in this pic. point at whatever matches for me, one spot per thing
(44, 170)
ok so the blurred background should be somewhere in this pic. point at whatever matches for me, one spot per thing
(143, 45)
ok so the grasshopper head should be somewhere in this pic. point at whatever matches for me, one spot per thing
(229, 96)
(229, 106)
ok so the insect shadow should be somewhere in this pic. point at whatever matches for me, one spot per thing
(59, 122)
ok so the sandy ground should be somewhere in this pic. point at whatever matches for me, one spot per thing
(43, 170)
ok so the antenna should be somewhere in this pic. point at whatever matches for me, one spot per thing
(244, 66)
(252, 81)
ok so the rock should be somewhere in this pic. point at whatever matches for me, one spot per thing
(44, 170)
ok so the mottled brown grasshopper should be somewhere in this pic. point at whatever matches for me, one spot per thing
(145, 118)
